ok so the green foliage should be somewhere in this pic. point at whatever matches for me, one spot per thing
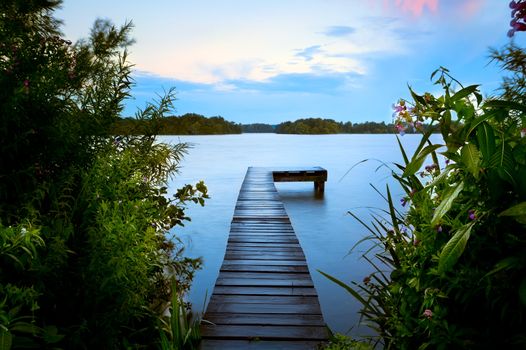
(87, 250)
(179, 330)
(513, 59)
(258, 128)
(329, 126)
(451, 270)
(56, 97)
(310, 126)
(341, 342)
(187, 124)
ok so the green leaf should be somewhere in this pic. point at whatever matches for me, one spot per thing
(470, 156)
(417, 161)
(348, 288)
(445, 124)
(6, 339)
(519, 154)
(24, 327)
(416, 97)
(502, 157)
(486, 141)
(502, 161)
(505, 264)
(517, 211)
(447, 202)
(440, 178)
(522, 292)
(51, 335)
(402, 150)
(464, 92)
(454, 248)
(501, 104)
(479, 97)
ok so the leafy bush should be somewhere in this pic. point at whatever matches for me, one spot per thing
(86, 258)
(451, 271)
(341, 342)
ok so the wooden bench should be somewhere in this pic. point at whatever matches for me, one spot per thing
(318, 175)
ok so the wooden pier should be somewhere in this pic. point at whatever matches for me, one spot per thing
(264, 297)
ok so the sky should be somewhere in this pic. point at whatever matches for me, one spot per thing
(269, 61)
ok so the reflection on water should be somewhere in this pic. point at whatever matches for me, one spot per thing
(324, 228)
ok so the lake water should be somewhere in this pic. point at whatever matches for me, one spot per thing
(325, 230)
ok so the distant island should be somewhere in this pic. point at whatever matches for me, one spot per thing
(196, 124)
(330, 126)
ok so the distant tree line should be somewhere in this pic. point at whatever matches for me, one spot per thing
(196, 124)
(187, 124)
(330, 126)
(258, 128)
(310, 126)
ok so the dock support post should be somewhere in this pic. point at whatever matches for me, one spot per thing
(319, 186)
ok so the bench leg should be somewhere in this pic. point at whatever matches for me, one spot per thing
(319, 186)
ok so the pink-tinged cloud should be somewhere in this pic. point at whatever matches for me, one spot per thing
(416, 7)
(470, 8)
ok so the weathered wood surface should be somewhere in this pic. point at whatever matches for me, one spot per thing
(264, 297)
(318, 175)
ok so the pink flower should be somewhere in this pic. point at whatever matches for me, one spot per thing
(26, 86)
(400, 128)
(399, 108)
(518, 15)
(439, 228)
(430, 168)
(471, 214)
(428, 313)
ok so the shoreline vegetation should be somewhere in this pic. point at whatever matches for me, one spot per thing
(196, 124)
(89, 254)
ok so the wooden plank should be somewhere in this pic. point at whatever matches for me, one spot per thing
(264, 256)
(265, 332)
(258, 344)
(265, 299)
(265, 319)
(253, 290)
(257, 239)
(251, 229)
(266, 263)
(264, 268)
(268, 249)
(255, 308)
(266, 275)
(263, 282)
(261, 246)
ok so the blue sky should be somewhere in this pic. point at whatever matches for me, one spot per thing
(276, 60)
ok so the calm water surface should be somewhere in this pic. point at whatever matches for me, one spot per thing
(325, 230)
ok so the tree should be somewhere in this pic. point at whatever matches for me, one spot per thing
(84, 216)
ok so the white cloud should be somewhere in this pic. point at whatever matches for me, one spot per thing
(213, 42)
(266, 41)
